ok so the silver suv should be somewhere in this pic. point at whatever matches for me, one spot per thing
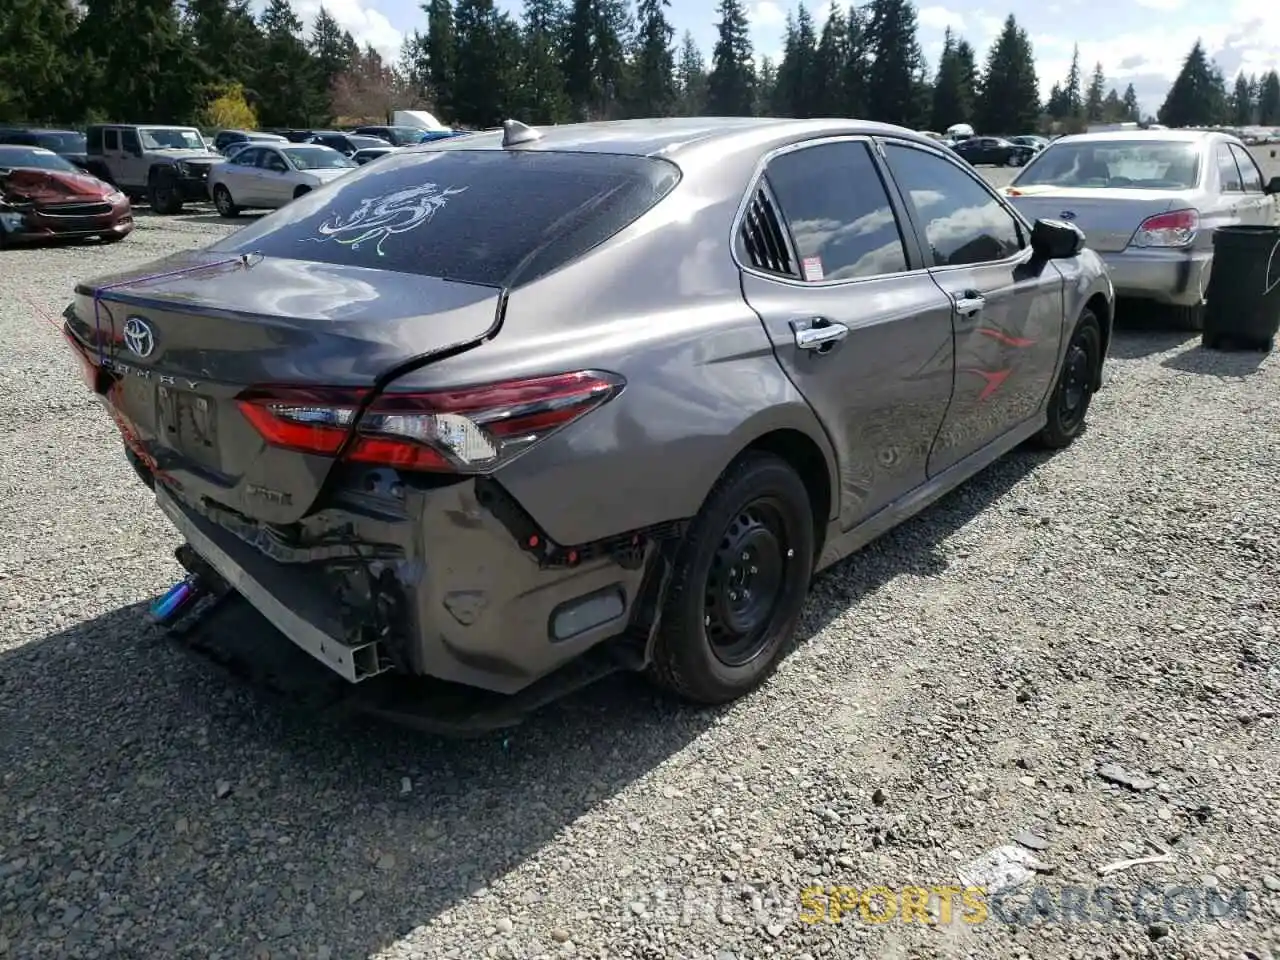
(167, 165)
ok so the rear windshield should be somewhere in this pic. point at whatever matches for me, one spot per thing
(316, 158)
(62, 142)
(478, 216)
(1131, 164)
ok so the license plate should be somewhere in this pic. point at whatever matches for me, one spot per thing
(188, 423)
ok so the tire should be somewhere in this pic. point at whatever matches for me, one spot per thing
(1210, 341)
(222, 201)
(1073, 391)
(1016, 160)
(163, 195)
(1188, 318)
(759, 511)
(301, 192)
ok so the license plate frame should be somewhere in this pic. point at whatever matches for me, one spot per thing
(187, 423)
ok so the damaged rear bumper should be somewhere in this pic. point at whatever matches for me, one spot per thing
(435, 582)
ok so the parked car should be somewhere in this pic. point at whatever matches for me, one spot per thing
(611, 391)
(1036, 143)
(225, 138)
(396, 136)
(1148, 202)
(43, 197)
(168, 165)
(994, 150)
(68, 144)
(295, 136)
(270, 176)
(362, 157)
(348, 143)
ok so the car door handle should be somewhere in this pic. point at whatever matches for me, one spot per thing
(817, 333)
(969, 303)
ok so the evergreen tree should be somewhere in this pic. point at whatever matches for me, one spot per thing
(1198, 95)
(691, 78)
(829, 98)
(1097, 93)
(854, 74)
(1112, 107)
(797, 82)
(38, 78)
(225, 38)
(439, 60)
(286, 80)
(595, 61)
(542, 97)
(1269, 99)
(412, 67)
(1010, 98)
(488, 61)
(654, 93)
(142, 65)
(731, 85)
(953, 87)
(1242, 102)
(1132, 112)
(766, 87)
(1072, 94)
(893, 91)
(334, 49)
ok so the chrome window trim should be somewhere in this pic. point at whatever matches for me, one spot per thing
(754, 184)
(968, 171)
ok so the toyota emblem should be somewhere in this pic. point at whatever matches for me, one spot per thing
(139, 337)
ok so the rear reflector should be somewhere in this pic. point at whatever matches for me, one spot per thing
(466, 430)
(1174, 229)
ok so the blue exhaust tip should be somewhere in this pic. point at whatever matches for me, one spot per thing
(177, 597)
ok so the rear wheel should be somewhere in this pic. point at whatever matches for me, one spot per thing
(301, 191)
(163, 194)
(222, 201)
(1188, 318)
(1069, 402)
(740, 582)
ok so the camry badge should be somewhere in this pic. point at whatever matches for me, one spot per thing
(139, 337)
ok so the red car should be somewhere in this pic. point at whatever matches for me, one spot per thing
(44, 197)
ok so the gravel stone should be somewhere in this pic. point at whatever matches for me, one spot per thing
(907, 681)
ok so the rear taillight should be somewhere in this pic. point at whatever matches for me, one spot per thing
(1174, 229)
(465, 430)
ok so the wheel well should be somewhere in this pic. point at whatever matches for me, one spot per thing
(156, 170)
(807, 459)
(1098, 304)
(300, 191)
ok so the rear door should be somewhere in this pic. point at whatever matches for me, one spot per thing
(854, 319)
(1260, 208)
(1007, 312)
(1233, 203)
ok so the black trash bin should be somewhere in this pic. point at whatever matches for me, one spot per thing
(1242, 304)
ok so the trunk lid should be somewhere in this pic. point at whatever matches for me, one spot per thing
(1108, 217)
(186, 335)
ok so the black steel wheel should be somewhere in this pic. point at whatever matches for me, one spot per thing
(163, 193)
(1081, 367)
(739, 583)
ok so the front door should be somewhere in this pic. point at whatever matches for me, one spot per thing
(240, 174)
(854, 320)
(274, 179)
(1007, 306)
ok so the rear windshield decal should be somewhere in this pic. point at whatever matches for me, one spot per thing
(378, 218)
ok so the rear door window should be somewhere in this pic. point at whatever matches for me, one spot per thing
(478, 216)
(111, 139)
(1250, 175)
(832, 198)
(129, 141)
(1228, 172)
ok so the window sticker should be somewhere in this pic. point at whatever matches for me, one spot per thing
(378, 218)
(812, 268)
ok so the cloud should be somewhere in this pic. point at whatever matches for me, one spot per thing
(365, 22)
(766, 14)
(939, 18)
(1160, 4)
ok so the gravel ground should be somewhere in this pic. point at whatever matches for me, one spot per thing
(965, 680)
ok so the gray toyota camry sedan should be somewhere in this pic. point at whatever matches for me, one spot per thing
(492, 406)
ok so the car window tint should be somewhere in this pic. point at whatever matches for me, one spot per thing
(962, 220)
(1249, 171)
(111, 139)
(492, 217)
(832, 198)
(1228, 172)
(129, 141)
(248, 157)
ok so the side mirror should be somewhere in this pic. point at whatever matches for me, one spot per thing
(1056, 239)
(1272, 187)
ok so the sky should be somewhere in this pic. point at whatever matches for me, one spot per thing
(1142, 42)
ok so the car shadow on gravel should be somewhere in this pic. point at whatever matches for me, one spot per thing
(154, 804)
(1217, 363)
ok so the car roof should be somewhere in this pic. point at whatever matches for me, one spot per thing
(36, 130)
(1166, 136)
(674, 136)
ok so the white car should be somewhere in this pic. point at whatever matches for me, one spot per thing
(272, 175)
